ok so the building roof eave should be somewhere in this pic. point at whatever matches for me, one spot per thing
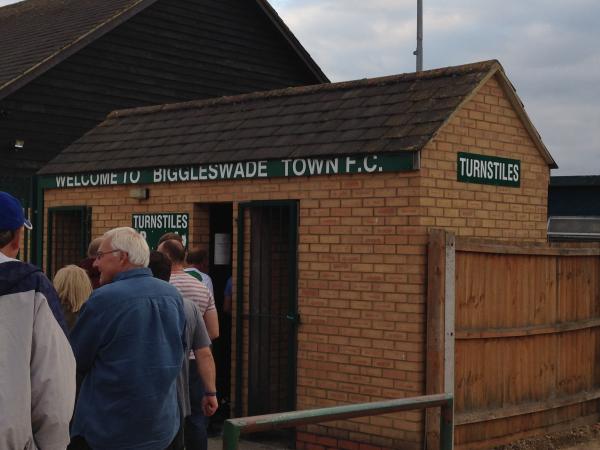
(496, 70)
(99, 30)
(73, 47)
(519, 108)
(292, 40)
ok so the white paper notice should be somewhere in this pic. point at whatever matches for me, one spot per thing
(222, 249)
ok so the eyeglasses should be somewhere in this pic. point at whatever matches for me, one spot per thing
(99, 255)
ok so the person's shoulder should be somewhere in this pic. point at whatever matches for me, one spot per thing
(119, 295)
(194, 273)
(185, 279)
(20, 269)
(191, 309)
(192, 270)
(23, 275)
(141, 286)
(162, 286)
(198, 286)
(206, 275)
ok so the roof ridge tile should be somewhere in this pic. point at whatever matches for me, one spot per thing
(482, 66)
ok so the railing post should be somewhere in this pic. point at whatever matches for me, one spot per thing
(231, 436)
(447, 426)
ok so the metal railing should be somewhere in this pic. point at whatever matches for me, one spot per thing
(233, 428)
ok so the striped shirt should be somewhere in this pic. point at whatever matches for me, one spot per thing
(193, 290)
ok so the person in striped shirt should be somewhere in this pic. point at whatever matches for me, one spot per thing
(191, 289)
(197, 260)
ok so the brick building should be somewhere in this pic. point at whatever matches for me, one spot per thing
(326, 194)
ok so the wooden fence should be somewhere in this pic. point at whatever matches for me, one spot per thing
(514, 330)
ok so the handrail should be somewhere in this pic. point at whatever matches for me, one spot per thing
(233, 428)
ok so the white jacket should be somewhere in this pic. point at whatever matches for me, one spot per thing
(37, 367)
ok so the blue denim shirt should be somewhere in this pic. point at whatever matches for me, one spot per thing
(129, 344)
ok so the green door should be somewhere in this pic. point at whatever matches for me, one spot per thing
(69, 231)
(268, 312)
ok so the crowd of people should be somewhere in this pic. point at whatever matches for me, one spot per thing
(115, 355)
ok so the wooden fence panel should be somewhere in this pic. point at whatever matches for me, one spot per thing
(527, 339)
(579, 288)
(504, 291)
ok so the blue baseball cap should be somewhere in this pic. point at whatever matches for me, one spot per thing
(11, 213)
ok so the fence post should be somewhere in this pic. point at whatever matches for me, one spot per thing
(447, 426)
(439, 366)
(449, 311)
(231, 436)
(434, 357)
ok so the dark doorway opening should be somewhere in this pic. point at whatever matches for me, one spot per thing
(220, 229)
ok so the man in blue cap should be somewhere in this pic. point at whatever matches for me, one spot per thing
(12, 225)
(37, 380)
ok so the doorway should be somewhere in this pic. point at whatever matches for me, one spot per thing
(267, 275)
(220, 228)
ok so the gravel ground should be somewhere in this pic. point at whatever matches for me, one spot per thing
(217, 444)
(581, 438)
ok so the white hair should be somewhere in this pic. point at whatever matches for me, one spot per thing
(131, 242)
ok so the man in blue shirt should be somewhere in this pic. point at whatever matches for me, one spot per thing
(129, 346)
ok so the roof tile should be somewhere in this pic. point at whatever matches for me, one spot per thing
(33, 31)
(390, 114)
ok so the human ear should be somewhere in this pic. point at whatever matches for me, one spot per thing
(15, 243)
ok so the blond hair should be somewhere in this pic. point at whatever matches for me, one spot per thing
(73, 286)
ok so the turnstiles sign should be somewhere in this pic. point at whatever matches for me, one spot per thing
(482, 169)
(153, 226)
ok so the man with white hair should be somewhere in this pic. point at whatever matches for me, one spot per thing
(129, 344)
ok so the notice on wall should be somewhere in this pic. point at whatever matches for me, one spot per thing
(153, 226)
(482, 169)
(222, 249)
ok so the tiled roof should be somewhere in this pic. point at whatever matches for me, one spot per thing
(390, 114)
(37, 34)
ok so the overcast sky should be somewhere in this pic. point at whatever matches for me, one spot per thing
(550, 50)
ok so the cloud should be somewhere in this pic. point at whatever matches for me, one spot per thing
(548, 49)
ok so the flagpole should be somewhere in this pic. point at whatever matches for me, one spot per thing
(419, 52)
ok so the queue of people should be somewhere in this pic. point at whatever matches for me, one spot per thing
(135, 344)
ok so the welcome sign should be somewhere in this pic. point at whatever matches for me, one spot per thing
(242, 170)
(482, 169)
